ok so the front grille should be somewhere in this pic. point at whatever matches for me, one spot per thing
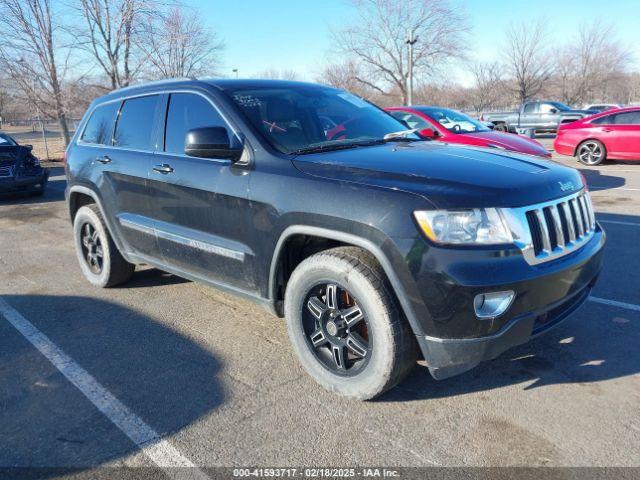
(552, 229)
(5, 172)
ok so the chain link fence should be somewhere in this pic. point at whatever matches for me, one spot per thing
(45, 136)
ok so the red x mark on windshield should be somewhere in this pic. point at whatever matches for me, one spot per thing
(274, 126)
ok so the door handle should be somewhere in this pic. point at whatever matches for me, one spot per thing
(164, 168)
(606, 129)
(104, 160)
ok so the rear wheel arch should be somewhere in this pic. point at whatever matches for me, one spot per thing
(599, 143)
(332, 239)
(80, 196)
(581, 142)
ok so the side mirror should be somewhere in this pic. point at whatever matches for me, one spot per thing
(553, 110)
(210, 142)
(28, 147)
(428, 133)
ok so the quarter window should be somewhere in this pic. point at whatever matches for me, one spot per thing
(188, 111)
(134, 128)
(100, 126)
(606, 120)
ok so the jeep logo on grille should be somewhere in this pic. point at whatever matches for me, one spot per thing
(566, 186)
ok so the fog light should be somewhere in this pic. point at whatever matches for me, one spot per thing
(492, 305)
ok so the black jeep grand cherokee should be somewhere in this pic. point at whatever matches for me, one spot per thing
(307, 199)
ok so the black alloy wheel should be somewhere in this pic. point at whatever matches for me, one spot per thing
(92, 250)
(337, 329)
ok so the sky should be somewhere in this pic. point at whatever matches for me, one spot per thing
(296, 35)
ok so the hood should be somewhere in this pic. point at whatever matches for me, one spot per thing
(576, 113)
(448, 176)
(508, 141)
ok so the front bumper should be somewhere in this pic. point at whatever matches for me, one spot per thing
(21, 183)
(455, 340)
(449, 357)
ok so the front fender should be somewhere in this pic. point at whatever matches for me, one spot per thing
(385, 251)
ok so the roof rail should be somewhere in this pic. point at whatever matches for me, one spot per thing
(151, 83)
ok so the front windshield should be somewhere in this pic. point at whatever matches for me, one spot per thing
(302, 119)
(456, 122)
(560, 106)
(6, 140)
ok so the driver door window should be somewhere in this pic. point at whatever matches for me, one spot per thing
(188, 111)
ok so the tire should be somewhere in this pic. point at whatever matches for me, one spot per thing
(591, 153)
(107, 267)
(360, 283)
(501, 127)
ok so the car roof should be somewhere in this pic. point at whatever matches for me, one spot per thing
(615, 110)
(221, 84)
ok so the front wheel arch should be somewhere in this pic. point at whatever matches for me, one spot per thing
(346, 239)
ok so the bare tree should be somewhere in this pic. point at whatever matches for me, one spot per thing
(589, 64)
(179, 45)
(488, 88)
(527, 59)
(111, 27)
(377, 40)
(342, 75)
(4, 97)
(29, 53)
(275, 74)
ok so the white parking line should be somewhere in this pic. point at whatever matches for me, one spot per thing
(615, 222)
(615, 303)
(161, 452)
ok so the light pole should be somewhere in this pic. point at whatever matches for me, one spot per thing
(411, 41)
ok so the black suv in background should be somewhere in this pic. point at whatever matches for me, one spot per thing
(370, 241)
(20, 170)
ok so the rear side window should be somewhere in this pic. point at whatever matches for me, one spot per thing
(134, 128)
(627, 118)
(188, 111)
(530, 107)
(100, 126)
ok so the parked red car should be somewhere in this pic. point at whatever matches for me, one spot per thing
(452, 126)
(614, 134)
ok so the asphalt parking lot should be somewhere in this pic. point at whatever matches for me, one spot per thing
(210, 380)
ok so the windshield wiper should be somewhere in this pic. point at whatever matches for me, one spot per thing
(335, 146)
(401, 135)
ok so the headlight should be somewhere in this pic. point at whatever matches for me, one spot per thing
(477, 226)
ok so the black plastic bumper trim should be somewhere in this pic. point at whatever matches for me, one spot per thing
(448, 357)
